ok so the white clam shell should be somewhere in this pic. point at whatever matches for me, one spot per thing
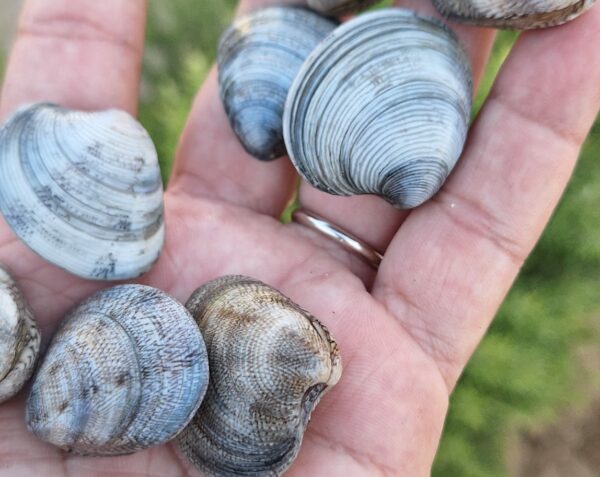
(258, 57)
(517, 14)
(127, 370)
(19, 338)
(83, 190)
(382, 106)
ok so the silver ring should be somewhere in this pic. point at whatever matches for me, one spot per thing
(345, 239)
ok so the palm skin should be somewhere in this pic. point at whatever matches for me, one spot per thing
(406, 332)
(375, 348)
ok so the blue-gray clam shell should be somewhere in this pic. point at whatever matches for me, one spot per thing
(381, 106)
(127, 370)
(19, 338)
(258, 57)
(515, 14)
(83, 190)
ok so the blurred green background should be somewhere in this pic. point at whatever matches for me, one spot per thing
(529, 402)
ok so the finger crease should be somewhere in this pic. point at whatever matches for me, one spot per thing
(77, 29)
(361, 458)
(474, 218)
(562, 133)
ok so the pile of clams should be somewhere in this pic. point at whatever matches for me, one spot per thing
(129, 369)
(259, 56)
(379, 105)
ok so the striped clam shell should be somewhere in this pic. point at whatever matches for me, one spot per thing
(382, 106)
(127, 370)
(513, 14)
(83, 190)
(270, 363)
(258, 57)
(19, 338)
(340, 7)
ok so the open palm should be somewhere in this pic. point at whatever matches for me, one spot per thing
(406, 332)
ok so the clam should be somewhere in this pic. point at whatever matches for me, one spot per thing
(83, 190)
(126, 371)
(270, 364)
(381, 106)
(515, 14)
(258, 57)
(19, 338)
(340, 7)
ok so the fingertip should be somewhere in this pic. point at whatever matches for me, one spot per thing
(85, 55)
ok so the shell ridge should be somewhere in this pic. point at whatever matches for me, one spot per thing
(128, 417)
(120, 154)
(148, 297)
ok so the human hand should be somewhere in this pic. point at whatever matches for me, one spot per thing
(405, 333)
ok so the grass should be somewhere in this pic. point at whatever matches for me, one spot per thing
(524, 371)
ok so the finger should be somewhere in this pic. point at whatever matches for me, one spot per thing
(453, 261)
(212, 163)
(84, 55)
(370, 217)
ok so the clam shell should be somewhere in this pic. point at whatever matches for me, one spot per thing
(340, 7)
(83, 190)
(19, 338)
(381, 106)
(270, 364)
(126, 371)
(258, 57)
(515, 14)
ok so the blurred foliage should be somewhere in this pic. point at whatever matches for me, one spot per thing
(524, 370)
(164, 115)
(502, 47)
(180, 47)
